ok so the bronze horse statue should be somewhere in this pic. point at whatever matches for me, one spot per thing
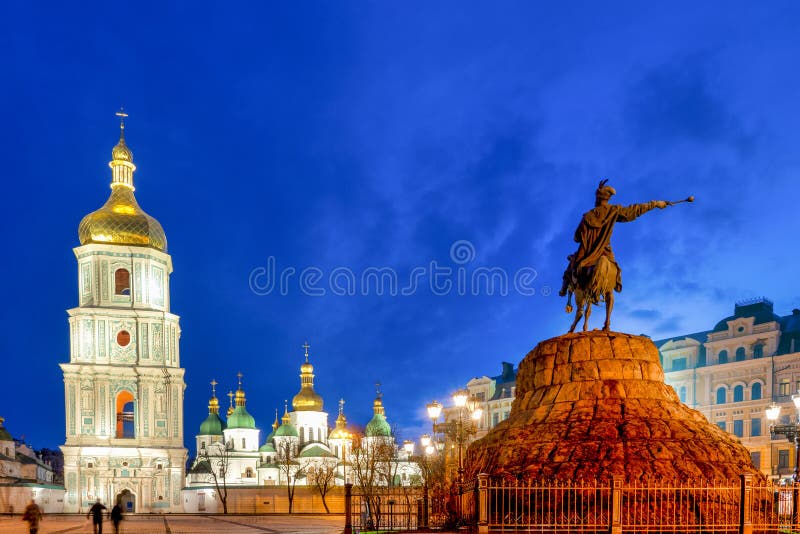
(593, 274)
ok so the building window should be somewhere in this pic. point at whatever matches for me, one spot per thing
(243, 444)
(755, 457)
(785, 387)
(202, 444)
(738, 428)
(783, 459)
(679, 364)
(755, 391)
(248, 472)
(723, 356)
(758, 350)
(738, 393)
(122, 282)
(682, 393)
(755, 427)
(495, 419)
(721, 424)
(123, 338)
(722, 394)
(125, 415)
(740, 354)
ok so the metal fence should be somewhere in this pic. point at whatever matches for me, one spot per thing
(612, 506)
(386, 509)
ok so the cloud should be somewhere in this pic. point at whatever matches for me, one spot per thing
(675, 102)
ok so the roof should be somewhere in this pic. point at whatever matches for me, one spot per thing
(267, 447)
(286, 430)
(760, 309)
(212, 426)
(201, 467)
(504, 382)
(316, 451)
(378, 426)
(240, 418)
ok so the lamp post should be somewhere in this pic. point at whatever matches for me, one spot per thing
(434, 411)
(792, 433)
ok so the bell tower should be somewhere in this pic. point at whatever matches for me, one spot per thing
(123, 385)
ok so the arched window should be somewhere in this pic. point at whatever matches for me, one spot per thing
(723, 356)
(738, 393)
(125, 415)
(682, 394)
(243, 444)
(755, 391)
(248, 472)
(722, 394)
(740, 354)
(122, 282)
(302, 434)
(758, 350)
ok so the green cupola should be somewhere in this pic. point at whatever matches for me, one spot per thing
(213, 425)
(240, 418)
(378, 426)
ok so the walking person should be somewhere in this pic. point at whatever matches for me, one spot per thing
(96, 512)
(33, 514)
(116, 516)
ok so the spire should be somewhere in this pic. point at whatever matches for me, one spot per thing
(121, 164)
(240, 401)
(276, 423)
(213, 402)
(285, 419)
(341, 421)
(230, 400)
(306, 346)
(377, 406)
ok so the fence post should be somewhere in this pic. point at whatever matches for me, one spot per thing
(483, 503)
(348, 509)
(425, 506)
(745, 504)
(616, 505)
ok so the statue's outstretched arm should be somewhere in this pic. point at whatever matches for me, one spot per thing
(629, 213)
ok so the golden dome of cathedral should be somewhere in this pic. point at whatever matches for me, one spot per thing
(121, 221)
(307, 400)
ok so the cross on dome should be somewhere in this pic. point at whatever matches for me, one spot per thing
(306, 346)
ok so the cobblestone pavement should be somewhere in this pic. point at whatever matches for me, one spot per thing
(179, 524)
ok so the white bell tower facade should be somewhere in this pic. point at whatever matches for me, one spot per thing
(123, 385)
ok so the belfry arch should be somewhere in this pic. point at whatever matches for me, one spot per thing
(126, 415)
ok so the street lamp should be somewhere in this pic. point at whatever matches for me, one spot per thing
(434, 411)
(792, 433)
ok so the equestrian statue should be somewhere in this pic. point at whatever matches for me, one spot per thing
(592, 274)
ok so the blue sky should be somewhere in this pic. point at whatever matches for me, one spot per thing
(377, 134)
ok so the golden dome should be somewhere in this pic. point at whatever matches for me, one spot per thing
(121, 221)
(307, 400)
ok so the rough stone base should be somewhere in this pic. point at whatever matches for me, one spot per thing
(594, 404)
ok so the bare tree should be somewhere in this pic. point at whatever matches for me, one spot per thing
(217, 457)
(323, 479)
(372, 470)
(289, 468)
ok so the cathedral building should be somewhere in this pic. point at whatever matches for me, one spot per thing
(123, 384)
(298, 449)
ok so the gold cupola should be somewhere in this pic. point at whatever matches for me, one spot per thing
(307, 400)
(340, 432)
(121, 221)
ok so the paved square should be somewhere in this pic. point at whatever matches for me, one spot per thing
(180, 524)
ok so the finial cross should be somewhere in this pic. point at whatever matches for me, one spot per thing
(306, 346)
(378, 388)
(213, 388)
(121, 114)
(240, 375)
(341, 406)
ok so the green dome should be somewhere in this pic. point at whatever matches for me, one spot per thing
(241, 419)
(4, 435)
(378, 427)
(267, 447)
(212, 426)
(286, 430)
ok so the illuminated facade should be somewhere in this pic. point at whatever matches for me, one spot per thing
(732, 373)
(123, 385)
